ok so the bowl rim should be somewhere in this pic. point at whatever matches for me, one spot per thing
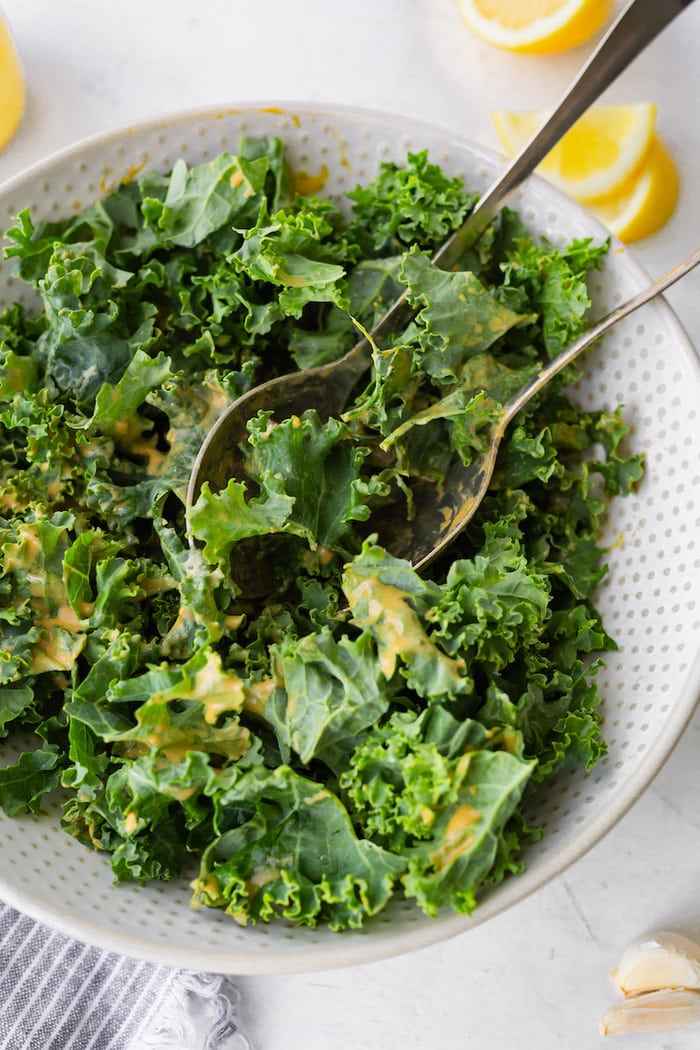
(351, 949)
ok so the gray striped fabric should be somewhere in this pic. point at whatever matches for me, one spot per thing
(59, 994)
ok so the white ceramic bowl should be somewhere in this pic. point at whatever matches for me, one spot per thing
(648, 600)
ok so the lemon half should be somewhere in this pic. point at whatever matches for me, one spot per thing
(535, 26)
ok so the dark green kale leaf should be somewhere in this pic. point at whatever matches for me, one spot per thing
(552, 282)
(286, 847)
(332, 691)
(414, 204)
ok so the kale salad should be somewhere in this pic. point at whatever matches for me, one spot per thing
(361, 731)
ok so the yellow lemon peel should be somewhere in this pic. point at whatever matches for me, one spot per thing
(537, 27)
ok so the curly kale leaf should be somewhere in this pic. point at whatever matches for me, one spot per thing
(446, 813)
(405, 205)
(286, 847)
(332, 691)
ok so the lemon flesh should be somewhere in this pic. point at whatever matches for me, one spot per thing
(604, 149)
(535, 26)
(12, 91)
(647, 203)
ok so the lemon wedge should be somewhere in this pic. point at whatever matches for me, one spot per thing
(647, 203)
(537, 27)
(12, 92)
(603, 151)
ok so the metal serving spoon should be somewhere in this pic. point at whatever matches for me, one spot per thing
(327, 388)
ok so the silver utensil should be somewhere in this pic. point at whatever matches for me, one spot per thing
(327, 388)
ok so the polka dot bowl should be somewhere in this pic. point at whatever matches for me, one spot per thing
(648, 599)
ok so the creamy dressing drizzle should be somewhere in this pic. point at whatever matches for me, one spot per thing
(63, 637)
(396, 625)
(459, 836)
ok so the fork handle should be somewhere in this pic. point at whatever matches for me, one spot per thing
(520, 399)
(635, 28)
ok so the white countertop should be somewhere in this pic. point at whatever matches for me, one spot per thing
(536, 977)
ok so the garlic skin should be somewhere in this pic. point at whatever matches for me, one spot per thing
(652, 1011)
(657, 961)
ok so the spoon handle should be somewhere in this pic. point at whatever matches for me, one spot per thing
(513, 406)
(636, 27)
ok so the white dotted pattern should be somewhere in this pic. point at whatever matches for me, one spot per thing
(648, 600)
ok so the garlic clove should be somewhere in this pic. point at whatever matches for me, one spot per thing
(660, 960)
(653, 1011)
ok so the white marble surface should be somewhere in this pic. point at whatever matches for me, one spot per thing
(536, 977)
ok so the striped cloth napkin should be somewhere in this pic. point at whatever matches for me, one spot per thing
(59, 994)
